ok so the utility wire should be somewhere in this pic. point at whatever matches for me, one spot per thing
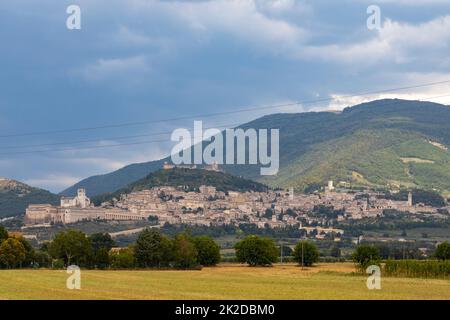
(138, 123)
(161, 140)
(103, 139)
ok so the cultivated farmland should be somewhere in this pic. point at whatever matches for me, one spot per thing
(325, 281)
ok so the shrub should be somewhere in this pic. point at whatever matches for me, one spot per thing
(3, 234)
(208, 251)
(58, 264)
(12, 253)
(256, 251)
(72, 246)
(153, 249)
(417, 268)
(185, 252)
(366, 255)
(122, 259)
(100, 259)
(41, 259)
(443, 251)
(306, 252)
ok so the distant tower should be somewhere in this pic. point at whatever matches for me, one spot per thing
(82, 200)
(167, 166)
(81, 192)
(291, 193)
(330, 185)
(410, 199)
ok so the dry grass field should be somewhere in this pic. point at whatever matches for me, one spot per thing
(325, 281)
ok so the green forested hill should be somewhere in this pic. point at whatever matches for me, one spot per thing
(16, 196)
(380, 143)
(192, 179)
(382, 157)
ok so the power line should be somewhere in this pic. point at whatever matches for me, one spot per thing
(94, 147)
(102, 139)
(85, 148)
(138, 123)
(161, 140)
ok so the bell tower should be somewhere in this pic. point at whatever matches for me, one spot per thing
(82, 200)
(410, 199)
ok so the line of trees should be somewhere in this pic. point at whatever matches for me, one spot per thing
(366, 255)
(262, 251)
(416, 268)
(151, 250)
(155, 250)
(17, 252)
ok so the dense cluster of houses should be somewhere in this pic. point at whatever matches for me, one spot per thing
(210, 207)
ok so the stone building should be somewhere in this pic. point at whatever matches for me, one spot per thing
(80, 201)
(74, 209)
(42, 214)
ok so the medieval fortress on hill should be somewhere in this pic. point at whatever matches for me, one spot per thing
(209, 207)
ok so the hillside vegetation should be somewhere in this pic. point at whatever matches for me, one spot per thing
(386, 143)
(109, 182)
(190, 179)
(16, 196)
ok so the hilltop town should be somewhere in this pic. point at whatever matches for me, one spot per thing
(209, 207)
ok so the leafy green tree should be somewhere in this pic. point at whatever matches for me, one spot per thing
(313, 188)
(208, 251)
(122, 259)
(72, 246)
(41, 259)
(291, 212)
(443, 251)
(101, 244)
(384, 251)
(256, 251)
(12, 253)
(29, 252)
(3, 234)
(335, 252)
(44, 246)
(101, 258)
(366, 255)
(168, 251)
(268, 213)
(101, 240)
(287, 251)
(153, 249)
(58, 264)
(185, 251)
(306, 252)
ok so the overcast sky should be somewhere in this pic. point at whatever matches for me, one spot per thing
(144, 60)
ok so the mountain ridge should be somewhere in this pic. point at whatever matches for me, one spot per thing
(301, 134)
(15, 196)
